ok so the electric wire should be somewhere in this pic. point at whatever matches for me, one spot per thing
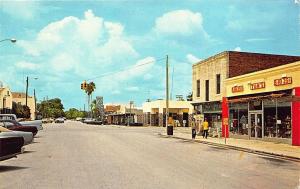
(125, 69)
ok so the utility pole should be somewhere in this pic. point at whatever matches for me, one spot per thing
(167, 92)
(26, 90)
(34, 104)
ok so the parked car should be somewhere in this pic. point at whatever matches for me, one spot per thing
(78, 118)
(59, 120)
(10, 147)
(16, 126)
(88, 120)
(27, 136)
(47, 120)
(36, 123)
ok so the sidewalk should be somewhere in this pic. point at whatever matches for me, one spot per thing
(257, 146)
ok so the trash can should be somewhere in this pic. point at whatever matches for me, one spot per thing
(170, 130)
(193, 133)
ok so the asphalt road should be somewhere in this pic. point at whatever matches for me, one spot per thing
(75, 155)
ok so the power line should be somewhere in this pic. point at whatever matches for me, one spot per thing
(124, 69)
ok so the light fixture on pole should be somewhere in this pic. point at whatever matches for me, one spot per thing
(13, 40)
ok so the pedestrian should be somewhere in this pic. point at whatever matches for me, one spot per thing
(205, 128)
(193, 129)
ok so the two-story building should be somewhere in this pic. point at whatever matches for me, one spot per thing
(265, 105)
(209, 76)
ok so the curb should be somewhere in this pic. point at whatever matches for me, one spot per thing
(227, 146)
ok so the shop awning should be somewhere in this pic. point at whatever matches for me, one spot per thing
(247, 99)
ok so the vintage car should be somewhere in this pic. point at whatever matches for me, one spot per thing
(27, 136)
(59, 120)
(16, 126)
(36, 123)
(10, 147)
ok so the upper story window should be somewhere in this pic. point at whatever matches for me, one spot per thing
(207, 90)
(198, 88)
(218, 83)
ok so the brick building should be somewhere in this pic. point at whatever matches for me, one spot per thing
(209, 76)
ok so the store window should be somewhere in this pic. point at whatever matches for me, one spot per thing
(277, 118)
(238, 118)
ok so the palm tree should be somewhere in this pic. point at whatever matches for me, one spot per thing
(90, 88)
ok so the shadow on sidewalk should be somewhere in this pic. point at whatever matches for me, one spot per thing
(5, 168)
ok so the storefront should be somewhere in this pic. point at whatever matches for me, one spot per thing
(212, 111)
(264, 105)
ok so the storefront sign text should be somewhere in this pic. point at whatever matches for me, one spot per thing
(237, 89)
(283, 81)
(260, 85)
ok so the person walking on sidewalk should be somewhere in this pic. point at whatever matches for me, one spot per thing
(205, 128)
(193, 129)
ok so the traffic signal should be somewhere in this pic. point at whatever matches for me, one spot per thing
(84, 85)
(81, 86)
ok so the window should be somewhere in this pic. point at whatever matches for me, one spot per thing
(207, 90)
(218, 84)
(198, 88)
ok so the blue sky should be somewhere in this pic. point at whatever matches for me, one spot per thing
(63, 43)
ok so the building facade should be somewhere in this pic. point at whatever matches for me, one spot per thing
(210, 74)
(6, 100)
(155, 111)
(20, 98)
(265, 105)
(123, 115)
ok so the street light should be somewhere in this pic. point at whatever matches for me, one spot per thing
(13, 40)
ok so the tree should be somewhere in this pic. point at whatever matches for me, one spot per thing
(21, 111)
(51, 108)
(73, 113)
(95, 109)
(189, 97)
(90, 88)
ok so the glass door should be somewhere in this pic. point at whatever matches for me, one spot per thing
(256, 125)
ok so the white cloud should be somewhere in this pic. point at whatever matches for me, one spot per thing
(182, 22)
(26, 65)
(192, 59)
(71, 44)
(133, 88)
(237, 49)
(258, 39)
(20, 9)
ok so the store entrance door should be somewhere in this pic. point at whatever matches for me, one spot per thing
(256, 125)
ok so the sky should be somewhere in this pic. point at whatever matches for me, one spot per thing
(122, 45)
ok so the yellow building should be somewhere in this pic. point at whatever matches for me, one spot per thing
(6, 100)
(20, 98)
(154, 112)
(265, 104)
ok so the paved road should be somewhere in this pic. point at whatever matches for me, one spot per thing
(74, 155)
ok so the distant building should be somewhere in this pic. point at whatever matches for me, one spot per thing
(20, 98)
(5, 100)
(123, 114)
(155, 112)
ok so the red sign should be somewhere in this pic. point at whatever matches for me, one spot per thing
(237, 89)
(283, 81)
(260, 85)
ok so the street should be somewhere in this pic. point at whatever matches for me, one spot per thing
(76, 155)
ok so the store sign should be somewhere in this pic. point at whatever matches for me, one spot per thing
(283, 81)
(237, 89)
(260, 85)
